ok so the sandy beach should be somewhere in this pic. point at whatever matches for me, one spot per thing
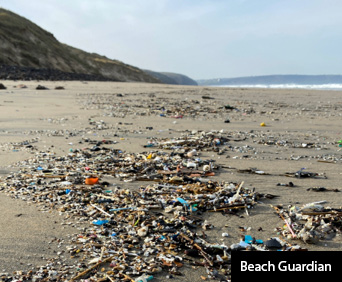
(302, 130)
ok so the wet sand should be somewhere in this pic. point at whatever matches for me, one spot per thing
(128, 114)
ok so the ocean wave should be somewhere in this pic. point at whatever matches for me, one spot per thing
(287, 86)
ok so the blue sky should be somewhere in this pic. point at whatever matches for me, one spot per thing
(199, 38)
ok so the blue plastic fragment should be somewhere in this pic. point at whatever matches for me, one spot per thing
(182, 201)
(145, 279)
(100, 222)
(249, 240)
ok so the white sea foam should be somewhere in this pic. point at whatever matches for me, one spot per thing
(287, 86)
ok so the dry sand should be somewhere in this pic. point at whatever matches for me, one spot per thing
(297, 116)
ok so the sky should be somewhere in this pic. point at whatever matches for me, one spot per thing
(202, 39)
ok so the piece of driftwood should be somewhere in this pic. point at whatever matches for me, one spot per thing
(91, 268)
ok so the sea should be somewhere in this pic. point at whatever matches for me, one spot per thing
(336, 87)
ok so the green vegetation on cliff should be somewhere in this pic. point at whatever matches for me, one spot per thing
(23, 43)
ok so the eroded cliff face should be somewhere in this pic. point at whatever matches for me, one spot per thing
(25, 44)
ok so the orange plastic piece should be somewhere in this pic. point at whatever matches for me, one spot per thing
(91, 180)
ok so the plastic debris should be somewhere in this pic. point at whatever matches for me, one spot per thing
(136, 234)
(100, 222)
(310, 223)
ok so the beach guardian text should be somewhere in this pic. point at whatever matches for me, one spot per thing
(283, 265)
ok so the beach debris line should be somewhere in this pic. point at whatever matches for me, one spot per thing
(127, 232)
(131, 233)
(137, 234)
(198, 140)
